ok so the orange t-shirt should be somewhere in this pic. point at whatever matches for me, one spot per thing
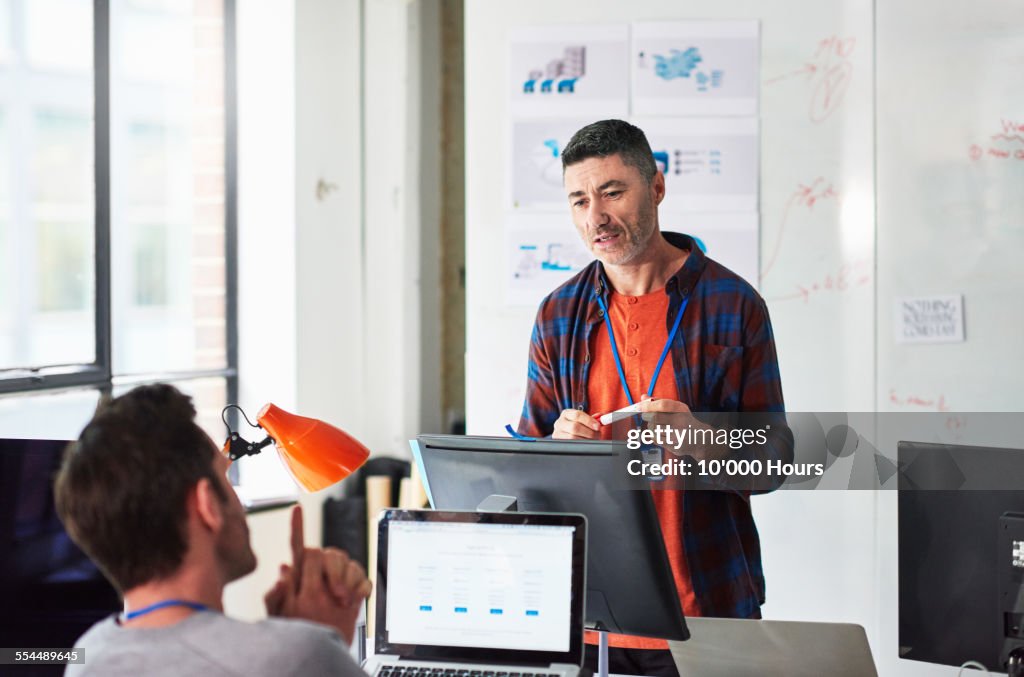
(639, 323)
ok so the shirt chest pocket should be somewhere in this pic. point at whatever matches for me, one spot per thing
(721, 377)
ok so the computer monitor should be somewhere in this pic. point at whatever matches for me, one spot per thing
(50, 592)
(630, 588)
(952, 500)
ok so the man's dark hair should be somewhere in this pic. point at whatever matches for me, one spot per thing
(612, 137)
(122, 487)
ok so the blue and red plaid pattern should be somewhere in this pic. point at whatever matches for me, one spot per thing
(723, 360)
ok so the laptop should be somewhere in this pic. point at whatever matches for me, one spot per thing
(479, 594)
(773, 649)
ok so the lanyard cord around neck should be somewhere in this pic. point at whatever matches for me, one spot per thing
(618, 362)
(195, 606)
(664, 351)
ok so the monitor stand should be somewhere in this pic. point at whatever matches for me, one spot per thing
(602, 653)
(1015, 663)
(498, 503)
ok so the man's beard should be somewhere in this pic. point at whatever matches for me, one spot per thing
(639, 237)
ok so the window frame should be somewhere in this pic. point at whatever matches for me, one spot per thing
(99, 373)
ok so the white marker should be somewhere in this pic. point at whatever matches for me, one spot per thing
(611, 416)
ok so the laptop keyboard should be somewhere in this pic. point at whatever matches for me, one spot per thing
(425, 671)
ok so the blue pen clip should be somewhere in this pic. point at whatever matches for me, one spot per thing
(515, 433)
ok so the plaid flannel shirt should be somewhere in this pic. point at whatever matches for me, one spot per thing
(723, 359)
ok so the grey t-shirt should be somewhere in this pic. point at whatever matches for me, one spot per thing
(211, 644)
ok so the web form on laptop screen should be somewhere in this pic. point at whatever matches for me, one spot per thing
(502, 586)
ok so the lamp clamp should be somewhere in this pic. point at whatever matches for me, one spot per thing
(237, 447)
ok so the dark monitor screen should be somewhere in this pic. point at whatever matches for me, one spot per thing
(51, 592)
(949, 566)
(630, 588)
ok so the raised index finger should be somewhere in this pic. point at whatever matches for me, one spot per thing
(298, 539)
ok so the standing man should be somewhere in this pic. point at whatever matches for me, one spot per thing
(144, 493)
(596, 346)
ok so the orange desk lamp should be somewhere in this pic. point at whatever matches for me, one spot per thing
(316, 453)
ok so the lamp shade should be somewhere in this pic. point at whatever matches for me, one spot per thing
(316, 453)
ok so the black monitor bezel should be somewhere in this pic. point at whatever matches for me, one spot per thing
(941, 485)
(37, 605)
(573, 656)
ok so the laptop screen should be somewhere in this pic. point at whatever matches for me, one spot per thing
(490, 586)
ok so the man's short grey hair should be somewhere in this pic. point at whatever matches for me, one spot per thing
(612, 137)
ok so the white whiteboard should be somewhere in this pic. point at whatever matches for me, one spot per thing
(950, 190)
(951, 198)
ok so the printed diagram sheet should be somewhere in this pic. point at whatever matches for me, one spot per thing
(542, 252)
(569, 70)
(710, 164)
(730, 238)
(695, 68)
(536, 159)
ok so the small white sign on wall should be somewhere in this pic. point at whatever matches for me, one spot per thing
(930, 319)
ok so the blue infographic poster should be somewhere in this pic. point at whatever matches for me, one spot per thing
(569, 70)
(543, 251)
(695, 68)
(537, 162)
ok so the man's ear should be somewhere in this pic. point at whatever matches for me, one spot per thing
(658, 186)
(209, 508)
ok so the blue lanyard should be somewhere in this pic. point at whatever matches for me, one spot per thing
(664, 351)
(618, 362)
(195, 606)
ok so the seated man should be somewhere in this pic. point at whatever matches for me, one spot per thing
(143, 491)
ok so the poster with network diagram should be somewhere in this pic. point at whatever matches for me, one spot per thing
(695, 68)
(569, 71)
(542, 252)
(730, 238)
(710, 164)
(536, 163)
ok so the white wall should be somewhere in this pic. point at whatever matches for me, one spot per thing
(402, 211)
(331, 285)
(329, 262)
(266, 254)
(266, 219)
(300, 277)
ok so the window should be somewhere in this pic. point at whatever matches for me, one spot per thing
(116, 202)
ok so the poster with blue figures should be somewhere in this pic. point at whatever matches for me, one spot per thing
(700, 68)
(569, 71)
